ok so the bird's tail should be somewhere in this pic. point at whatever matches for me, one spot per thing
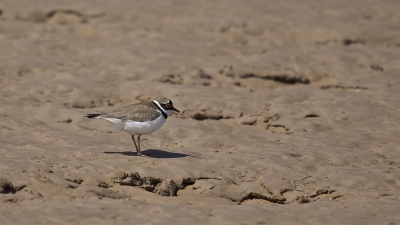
(91, 116)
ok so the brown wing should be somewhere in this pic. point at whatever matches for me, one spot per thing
(143, 111)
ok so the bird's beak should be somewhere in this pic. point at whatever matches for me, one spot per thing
(176, 110)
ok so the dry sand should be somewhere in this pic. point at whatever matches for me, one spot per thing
(290, 112)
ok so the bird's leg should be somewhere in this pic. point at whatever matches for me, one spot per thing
(138, 140)
(134, 141)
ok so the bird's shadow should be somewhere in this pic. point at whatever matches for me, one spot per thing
(154, 153)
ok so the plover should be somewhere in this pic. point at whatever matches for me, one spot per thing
(140, 118)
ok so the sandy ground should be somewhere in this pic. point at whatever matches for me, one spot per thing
(290, 112)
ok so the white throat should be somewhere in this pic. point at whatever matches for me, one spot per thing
(168, 112)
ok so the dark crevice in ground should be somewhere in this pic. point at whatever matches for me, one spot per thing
(311, 116)
(274, 199)
(282, 78)
(343, 87)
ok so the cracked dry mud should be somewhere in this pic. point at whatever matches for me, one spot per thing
(290, 112)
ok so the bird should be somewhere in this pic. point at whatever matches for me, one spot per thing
(140, 118)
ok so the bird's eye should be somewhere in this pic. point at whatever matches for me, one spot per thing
(168, 105)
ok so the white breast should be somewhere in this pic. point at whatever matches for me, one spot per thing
(136, 128)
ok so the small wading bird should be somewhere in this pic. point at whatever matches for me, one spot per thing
(140, 118)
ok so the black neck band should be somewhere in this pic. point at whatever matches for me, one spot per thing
(162, 111)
